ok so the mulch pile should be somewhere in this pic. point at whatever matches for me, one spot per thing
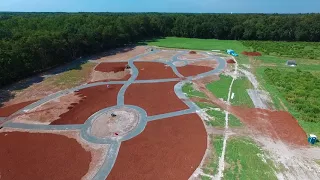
(155, 98)
(193, 70)
(230, 61)
(192, 52)
(251, 53)
(169, 149)
(42, 156)
(93, 100)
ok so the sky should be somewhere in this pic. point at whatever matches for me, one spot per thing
(192, 6)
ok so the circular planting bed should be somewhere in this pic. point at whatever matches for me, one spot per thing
(116, 122)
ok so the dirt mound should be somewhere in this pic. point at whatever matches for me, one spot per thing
(193, 70)
(41, 156)
(170, 149)
(94, 99)
(230, 61)
(251, 53)
(154, 70)
(192, 52)
(8, 110)
(155, 98)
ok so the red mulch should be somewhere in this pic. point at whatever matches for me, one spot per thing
(94, 99)
(251, 53)
(155, 98)
(276, 124)
(41, 156)
(154, 70)
(169, 149)
(192, 52)
(8, 110)
(111, 67)
(230, 61)
(193, 70)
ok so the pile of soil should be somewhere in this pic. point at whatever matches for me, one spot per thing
(111, 67)
(9, 110)
(192, 52)
(230, 61)
(155, 98)
(193, 70)
(154, 70)
(94, 99)
(170, 149)
(251, 53)
(42, 156)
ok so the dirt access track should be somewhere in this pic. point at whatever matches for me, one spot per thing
(167, 139)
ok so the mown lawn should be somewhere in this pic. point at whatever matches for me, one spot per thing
(220, 88)
(203, 44)
(245, 160)
(241, 97)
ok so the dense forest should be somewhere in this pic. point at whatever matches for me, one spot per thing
(33, 42)
(300, 88)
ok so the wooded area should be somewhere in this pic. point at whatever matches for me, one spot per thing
(33, 42)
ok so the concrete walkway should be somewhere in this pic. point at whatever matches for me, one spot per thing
(85, 128)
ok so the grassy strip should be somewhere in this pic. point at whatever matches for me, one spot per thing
(242, 97)
(245, 161)
(203, 44)
(219, 117)
(190, 91)
(220, 88)
(211, 167)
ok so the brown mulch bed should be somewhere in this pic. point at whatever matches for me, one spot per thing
(169, 149)
(8, 110)
(154, 70)
(193, 70)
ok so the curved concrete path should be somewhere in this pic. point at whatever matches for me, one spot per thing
(115, 143)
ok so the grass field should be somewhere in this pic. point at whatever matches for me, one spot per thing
(190, 91)
(245, 160)
(220, 88)
(203, 44)
(241, 97)
(219, 116)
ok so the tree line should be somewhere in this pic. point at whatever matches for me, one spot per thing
(33, 42)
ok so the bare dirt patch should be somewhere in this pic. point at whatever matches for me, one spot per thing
(163, 55)
(42, 156)
(97, 76)
(155, 98)
(10, 109)
(193, 70)
(94, 99)
(170, 148)
(209, 63)
(123, 54)
(154, 70)
(192, 56)
(50, 111)
(106, 125)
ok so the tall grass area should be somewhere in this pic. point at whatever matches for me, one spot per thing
(308, 50)
(310, 123)
(246, 161)
(202, 44)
